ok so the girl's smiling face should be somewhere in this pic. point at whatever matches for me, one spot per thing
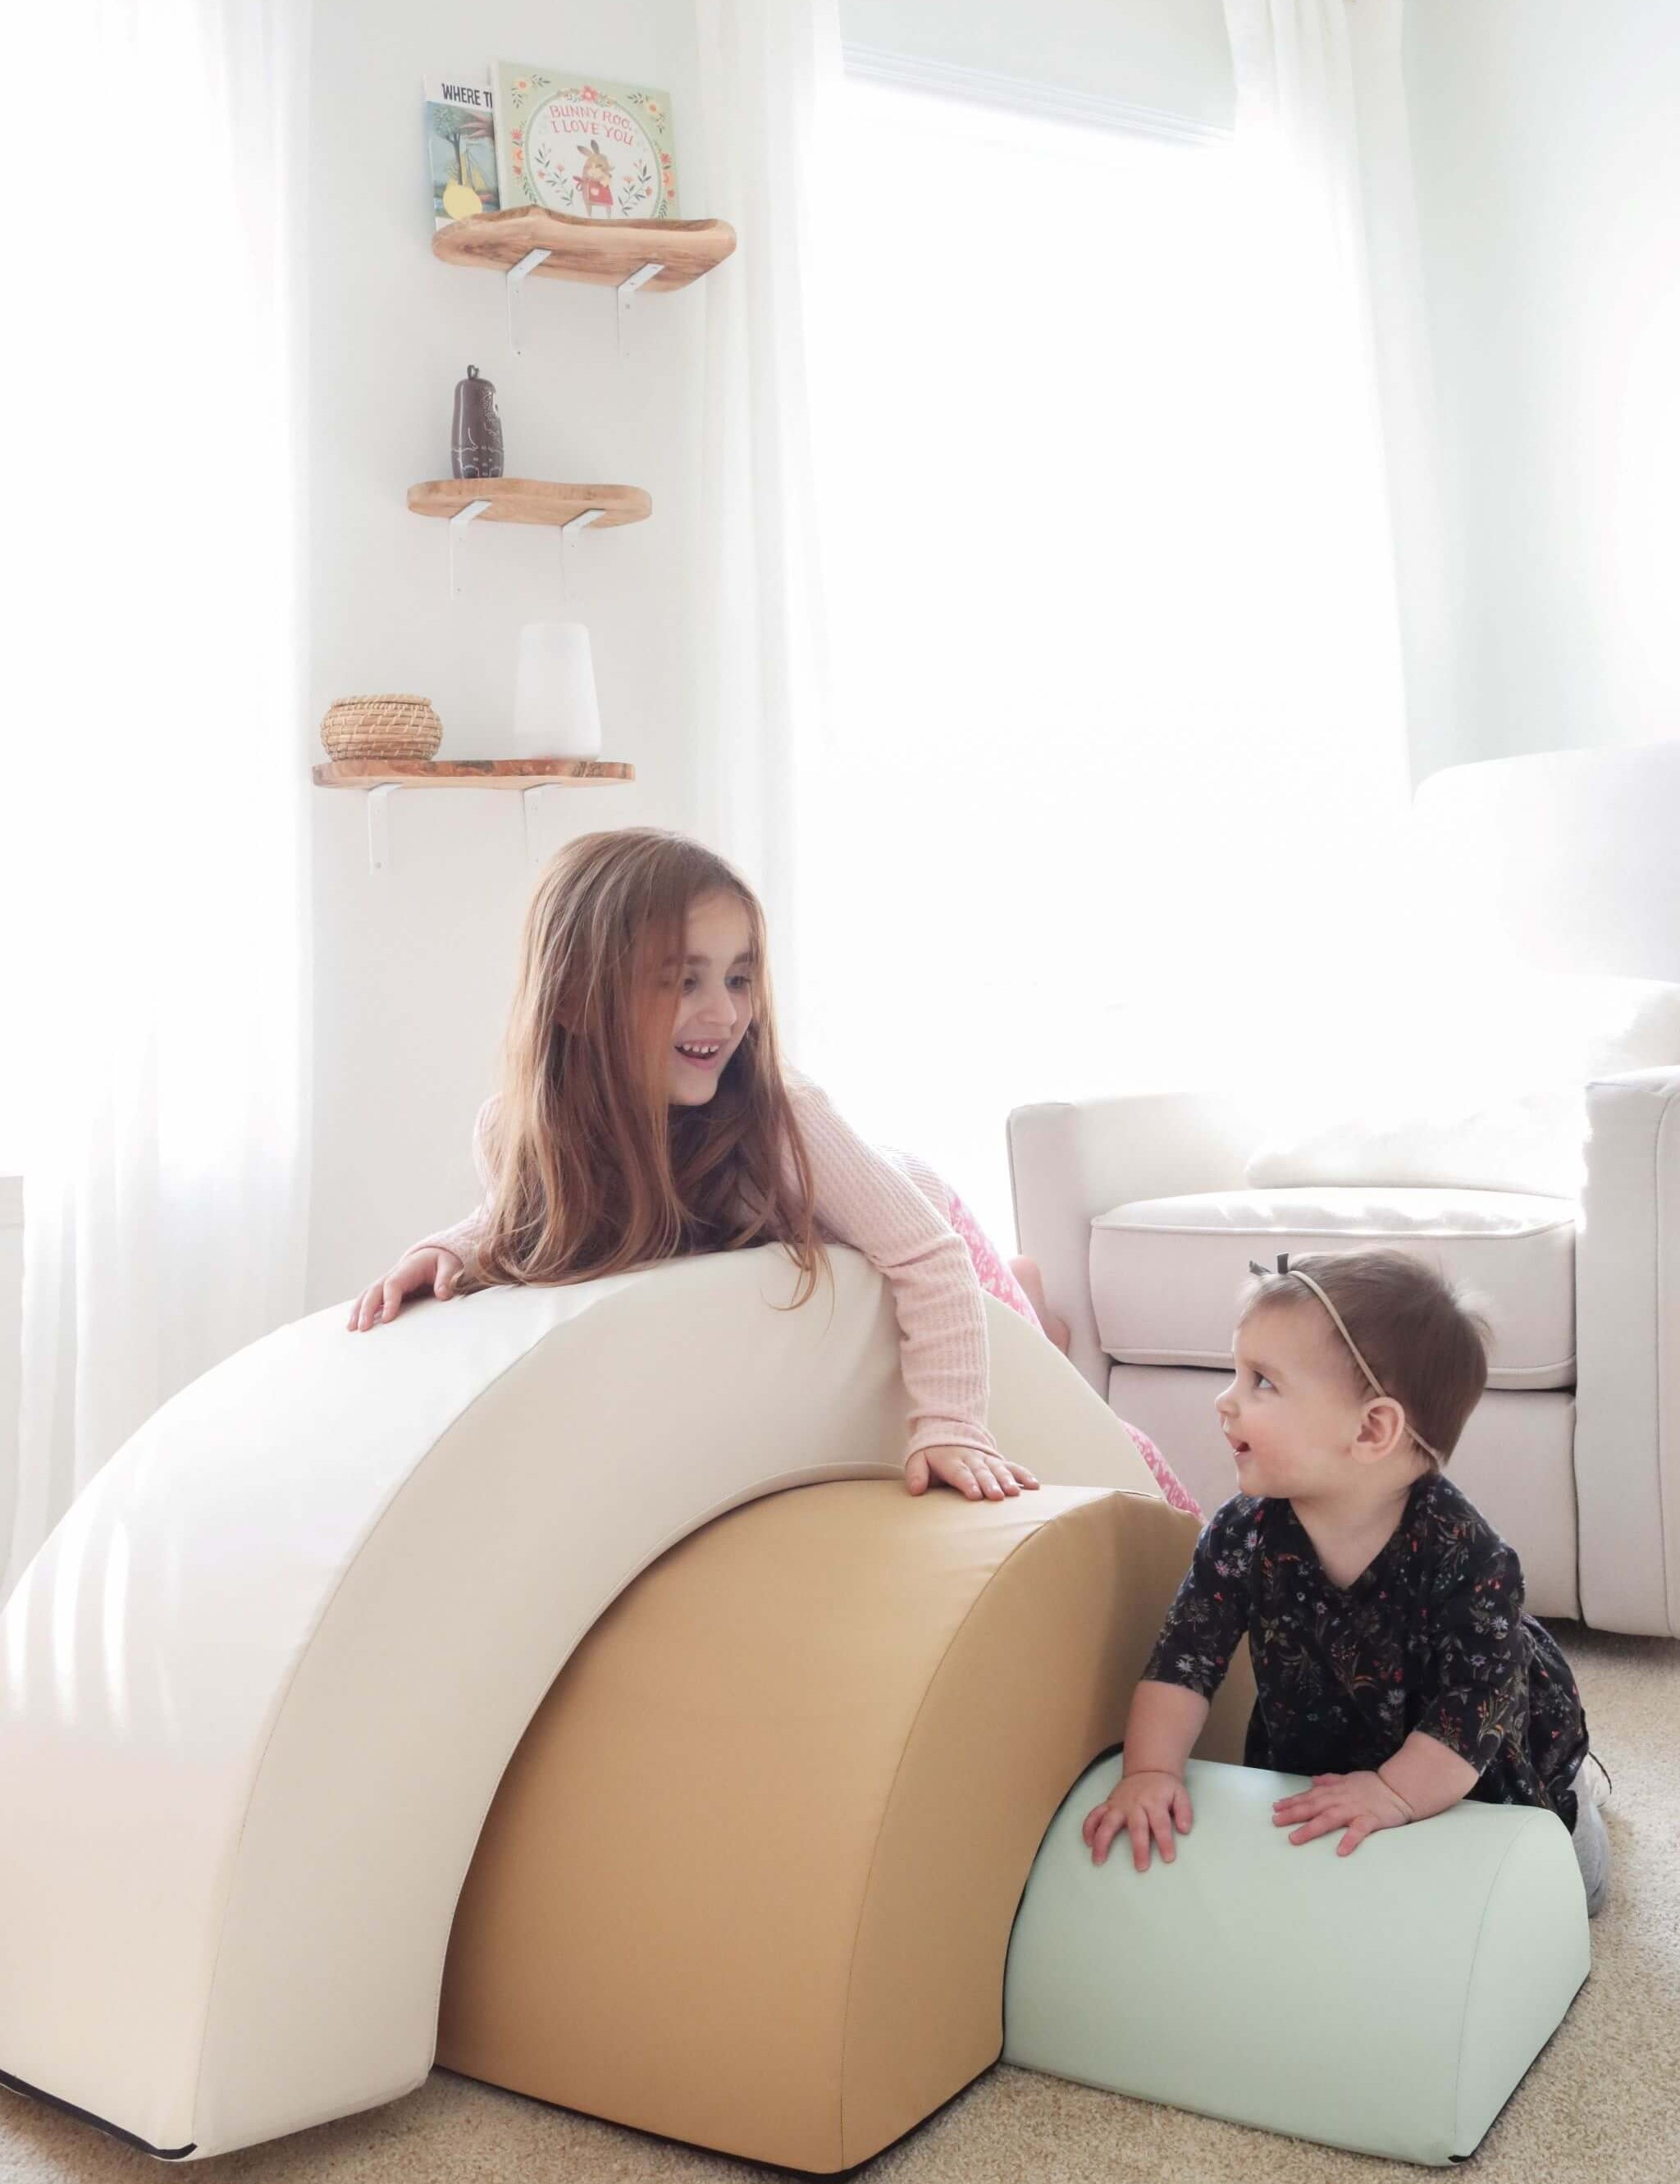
(1290, 1414)
(714, 997)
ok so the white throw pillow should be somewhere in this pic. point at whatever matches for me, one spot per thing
(1482, 1087)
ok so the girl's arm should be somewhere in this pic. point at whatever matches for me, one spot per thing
(863, 1200)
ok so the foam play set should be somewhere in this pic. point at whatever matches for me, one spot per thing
(559, 1684)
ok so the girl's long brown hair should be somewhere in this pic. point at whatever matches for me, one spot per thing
(595, 1171)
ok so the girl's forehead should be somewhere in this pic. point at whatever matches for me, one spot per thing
(718, 927)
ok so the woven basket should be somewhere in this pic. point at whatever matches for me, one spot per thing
(381, 727)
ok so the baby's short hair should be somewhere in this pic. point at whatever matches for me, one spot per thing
(1424, 1345)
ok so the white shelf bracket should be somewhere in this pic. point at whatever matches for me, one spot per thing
(517, 277)
(567, 531)
(627, 289)
(458, 523)
(379, 828)
(528, 799)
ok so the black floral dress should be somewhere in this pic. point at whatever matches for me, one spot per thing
(1431, 1636)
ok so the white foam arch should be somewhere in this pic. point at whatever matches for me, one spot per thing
(258, 1688)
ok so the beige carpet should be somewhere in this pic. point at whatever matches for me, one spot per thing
(1600, 2104)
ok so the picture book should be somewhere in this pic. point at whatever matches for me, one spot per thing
(579, 145)
(460, 146)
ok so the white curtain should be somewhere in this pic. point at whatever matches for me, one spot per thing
(157, 854)
(1324, 136)
(769, 77)
(1119, 742)
(1435, 735)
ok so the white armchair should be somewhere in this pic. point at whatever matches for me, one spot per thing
(1142, 1211)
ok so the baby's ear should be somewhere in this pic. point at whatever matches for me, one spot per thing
(1381, 1429)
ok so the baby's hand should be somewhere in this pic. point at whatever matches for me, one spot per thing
(432, 1269)
(1150, 1803)
(1361, 1803)
(991, 1478)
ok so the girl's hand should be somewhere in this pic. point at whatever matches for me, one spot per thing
(1361, 1803)
(980, 1478)
(432, 1269)
(1149, 1805)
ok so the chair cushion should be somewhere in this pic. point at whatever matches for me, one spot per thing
(1167, 1273)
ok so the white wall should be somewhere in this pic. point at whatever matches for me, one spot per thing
(413, 967)
(1548, 175)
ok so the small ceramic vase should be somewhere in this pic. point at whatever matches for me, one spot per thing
(555, 711)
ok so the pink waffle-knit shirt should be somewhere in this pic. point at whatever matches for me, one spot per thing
(861, 1199)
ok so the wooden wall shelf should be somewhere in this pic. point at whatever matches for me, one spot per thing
(607, 252)
(467, 773)
(381, 778)
(531, 500)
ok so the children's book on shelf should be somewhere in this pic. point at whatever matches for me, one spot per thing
(579, 145)
(460, 146)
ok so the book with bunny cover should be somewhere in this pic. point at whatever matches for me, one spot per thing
(577, 144)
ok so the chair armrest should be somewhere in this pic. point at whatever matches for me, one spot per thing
(1628, 1356)
(1072, 1160)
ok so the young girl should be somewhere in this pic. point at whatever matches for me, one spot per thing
(645, 1113)
(1392, 1661)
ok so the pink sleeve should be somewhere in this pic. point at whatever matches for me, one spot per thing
(461, 1239)
(863, 1200)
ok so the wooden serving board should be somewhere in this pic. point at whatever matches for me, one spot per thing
(531, 500)
(466, 772)
(605, 251)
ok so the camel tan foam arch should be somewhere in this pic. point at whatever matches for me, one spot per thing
(258, 1690)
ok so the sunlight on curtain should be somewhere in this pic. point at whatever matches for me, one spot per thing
(156, 864)
(770, 76)
(1118, 731)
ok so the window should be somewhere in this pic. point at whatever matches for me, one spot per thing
(1086, 622)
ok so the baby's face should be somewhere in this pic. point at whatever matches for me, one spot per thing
(1290, 1414)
